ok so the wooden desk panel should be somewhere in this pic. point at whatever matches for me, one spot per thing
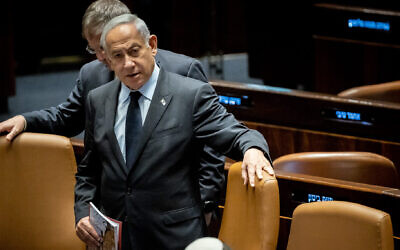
(313, 111)
(294, 188)
(286, 140)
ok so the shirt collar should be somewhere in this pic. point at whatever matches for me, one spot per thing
(147, 90)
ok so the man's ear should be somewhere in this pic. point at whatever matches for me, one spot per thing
(109, 61)
(109, 64)
(153, 44)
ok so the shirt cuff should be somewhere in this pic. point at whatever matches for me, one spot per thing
(25, 124)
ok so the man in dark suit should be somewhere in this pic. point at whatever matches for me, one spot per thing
(68, 118)
(152, 185)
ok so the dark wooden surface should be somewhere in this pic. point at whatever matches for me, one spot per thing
(320, 53)
(285, 49)
(341, 64)
(286, 140)
(7, 62)
(309, 110)
(291, 121)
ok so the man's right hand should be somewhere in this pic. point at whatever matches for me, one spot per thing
(87, 233)
(14, 126)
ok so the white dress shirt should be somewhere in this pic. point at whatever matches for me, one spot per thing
(147, 91)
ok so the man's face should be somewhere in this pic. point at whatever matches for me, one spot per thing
(129, 56)
(94, 45)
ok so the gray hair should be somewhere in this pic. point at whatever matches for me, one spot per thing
(98, 14)
(125, 19)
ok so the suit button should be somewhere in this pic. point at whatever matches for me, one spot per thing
(129, 191)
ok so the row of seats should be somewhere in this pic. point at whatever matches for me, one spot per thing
(251, 220)
(37, 177)
(388, 92)
(37, 182)
(362, 167)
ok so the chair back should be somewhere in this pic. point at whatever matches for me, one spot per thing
(37, 193)
(363, 167)
(250, 218)
(332, 225)
(388, 92)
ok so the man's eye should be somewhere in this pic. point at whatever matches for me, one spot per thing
(134, 52)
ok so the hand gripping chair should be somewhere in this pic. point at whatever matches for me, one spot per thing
(250, 219)
(37, 193)
(388, 92)
(333, 225)
(363, 167)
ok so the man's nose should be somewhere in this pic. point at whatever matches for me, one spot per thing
(129, 62)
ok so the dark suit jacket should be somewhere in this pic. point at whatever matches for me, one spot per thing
(160, 195)
(68, 118)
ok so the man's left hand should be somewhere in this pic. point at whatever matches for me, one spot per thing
(254, 162)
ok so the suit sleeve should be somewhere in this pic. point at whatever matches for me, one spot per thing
(65, 119)
(88, 174)
(219, 129)
(196, 71)
(211, 170)
(211, 174)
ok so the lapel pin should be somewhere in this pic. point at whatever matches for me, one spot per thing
(163, 102)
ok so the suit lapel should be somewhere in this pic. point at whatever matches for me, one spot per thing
(110, 111)
(159, 103)
(157, 59)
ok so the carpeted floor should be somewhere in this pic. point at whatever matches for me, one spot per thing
(35, 92)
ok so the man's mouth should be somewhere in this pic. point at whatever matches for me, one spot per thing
(132, 75)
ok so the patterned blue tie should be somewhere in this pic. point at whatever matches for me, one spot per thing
(133, 128)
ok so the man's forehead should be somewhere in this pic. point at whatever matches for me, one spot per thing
(124, 35)
(126, 45)
(125, 29)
